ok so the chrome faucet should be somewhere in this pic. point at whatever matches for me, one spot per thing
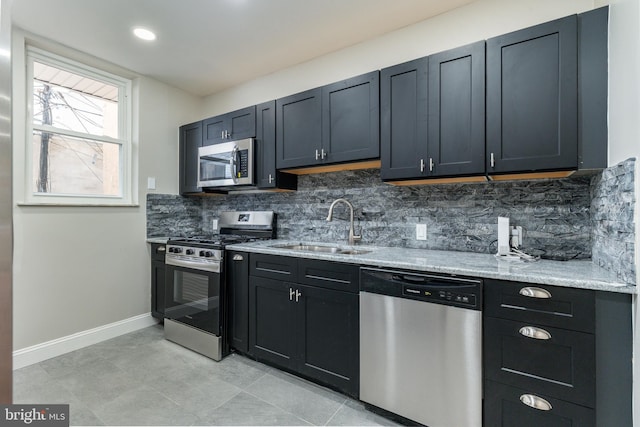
(352, 237)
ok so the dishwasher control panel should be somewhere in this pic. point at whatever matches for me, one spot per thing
(443, 295)
(463, 292)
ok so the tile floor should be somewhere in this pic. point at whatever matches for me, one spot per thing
(142, 379)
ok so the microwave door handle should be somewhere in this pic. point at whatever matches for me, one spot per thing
(232, 162)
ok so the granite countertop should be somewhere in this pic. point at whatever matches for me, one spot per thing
(575, 274)
(161, 240)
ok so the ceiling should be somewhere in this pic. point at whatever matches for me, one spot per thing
(205, 46)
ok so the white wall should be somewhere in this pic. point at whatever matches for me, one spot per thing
(477, 21)
(76, 268)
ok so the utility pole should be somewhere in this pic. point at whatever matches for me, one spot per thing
(43, 175)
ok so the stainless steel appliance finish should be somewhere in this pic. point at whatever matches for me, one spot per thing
(198, 340)
(196, 290)
(420, 347)
(353, 238)
(187, 255)
(6, 221)
(227, 165)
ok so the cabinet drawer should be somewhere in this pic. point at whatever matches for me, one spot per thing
(273, 267)
(548, 305)
(158, 251)
(327, 274)
(503, 407)
(555, 362)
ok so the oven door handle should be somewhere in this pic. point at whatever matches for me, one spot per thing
(233, 163)
(213, 267)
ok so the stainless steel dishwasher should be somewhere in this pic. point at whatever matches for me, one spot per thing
(420, 346)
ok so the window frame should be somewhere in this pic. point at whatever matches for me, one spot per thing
(124, 140)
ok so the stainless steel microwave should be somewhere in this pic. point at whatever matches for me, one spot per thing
(228, 164)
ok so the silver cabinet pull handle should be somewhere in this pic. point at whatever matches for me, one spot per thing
(534, 292)
(238, 257)
(421, 165)
(317, 155)
(291, 294)
(493, 161)
(430, 164)
(535, 333)
(298, 295)
(270, 179)
(536, 402)
(323, 154)
(222, 134)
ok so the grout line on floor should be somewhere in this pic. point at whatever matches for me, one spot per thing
(334, 414)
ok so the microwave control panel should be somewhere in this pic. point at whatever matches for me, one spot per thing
(242, 171)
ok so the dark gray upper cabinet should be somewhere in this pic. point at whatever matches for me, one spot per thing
(593, 27)
(299, 129)
(190, 141)
(456, 111)
(336, 123)
(236, 125)
(403, 119)
(433, 117)
(267, 175)
(351, 119)
(532, 81)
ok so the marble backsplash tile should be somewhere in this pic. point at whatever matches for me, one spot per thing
(612, 217)
(462, 217)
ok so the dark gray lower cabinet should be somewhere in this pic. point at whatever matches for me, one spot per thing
(309, 330)
(555, 356)
(237, 280)
(504, 407)
(157, 280)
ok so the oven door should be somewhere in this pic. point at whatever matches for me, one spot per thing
(226, 164)
(195, 298)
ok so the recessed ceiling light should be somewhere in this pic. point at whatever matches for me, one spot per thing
(144, 34)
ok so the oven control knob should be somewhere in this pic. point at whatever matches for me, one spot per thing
(208, 254)
(177, 250)
(201, 253)
(190, 251)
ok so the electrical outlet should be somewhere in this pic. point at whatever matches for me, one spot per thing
(151, 183)
(214, 225)
(516, 236)
(421, 231)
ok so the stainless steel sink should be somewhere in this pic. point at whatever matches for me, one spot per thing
(320, 248)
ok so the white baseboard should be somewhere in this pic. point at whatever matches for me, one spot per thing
(46, 350)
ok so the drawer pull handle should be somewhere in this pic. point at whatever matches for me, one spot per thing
(533, 292)
(535, 402)
(536, 333)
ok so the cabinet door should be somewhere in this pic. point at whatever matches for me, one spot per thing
(403, 120)
(157, 289)
(456, 111)
(503, 407)
(272, 326)
(214, 129)
(237, 282)
(266, 144)
(190, 141)
(299, 129)
(532, 98)
(328, 344)
(350, 119)
(241, 124)
(553, 361)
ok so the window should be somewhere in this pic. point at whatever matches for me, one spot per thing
(80, 148)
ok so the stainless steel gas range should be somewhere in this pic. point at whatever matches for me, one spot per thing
(196, 290)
